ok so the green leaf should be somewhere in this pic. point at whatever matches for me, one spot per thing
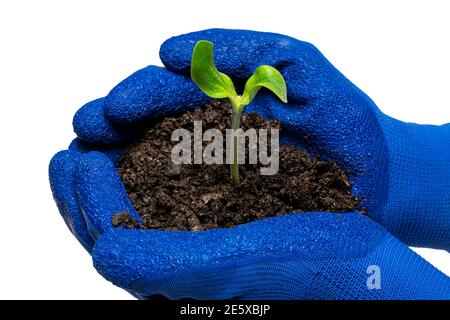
(205, 74)
(268, 77)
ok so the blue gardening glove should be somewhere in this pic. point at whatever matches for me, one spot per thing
(299, 256)
(315, 255)
(402, 170)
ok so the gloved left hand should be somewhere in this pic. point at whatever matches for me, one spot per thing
(299, 256)
(293, 256)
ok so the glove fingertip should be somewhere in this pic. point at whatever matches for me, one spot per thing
(176, 54)
(91, 125)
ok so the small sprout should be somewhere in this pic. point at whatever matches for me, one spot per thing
(218, 85)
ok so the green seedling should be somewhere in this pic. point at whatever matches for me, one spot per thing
(218, 85)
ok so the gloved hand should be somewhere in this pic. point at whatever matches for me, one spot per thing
(317, 255)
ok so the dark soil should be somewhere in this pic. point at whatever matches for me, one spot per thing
(198, 197)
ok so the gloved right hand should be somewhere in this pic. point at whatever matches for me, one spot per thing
(401, 170)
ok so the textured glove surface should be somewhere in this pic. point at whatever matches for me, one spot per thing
(298, 256)
(295, 256)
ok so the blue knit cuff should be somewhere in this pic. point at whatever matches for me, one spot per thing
(417, 208)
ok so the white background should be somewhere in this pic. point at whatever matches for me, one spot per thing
(57, 55)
